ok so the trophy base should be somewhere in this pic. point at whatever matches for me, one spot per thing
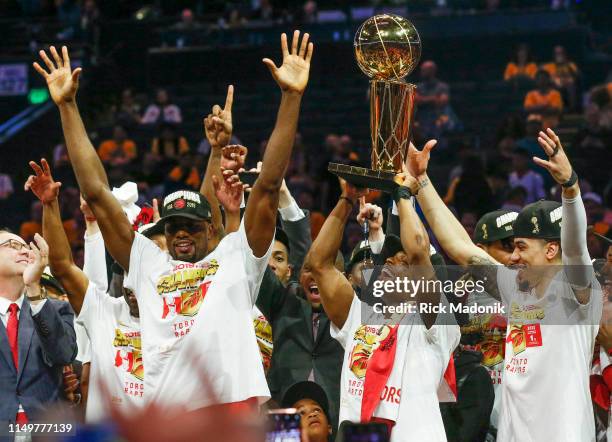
(364, 178)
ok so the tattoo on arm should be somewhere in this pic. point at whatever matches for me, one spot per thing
(485, 270)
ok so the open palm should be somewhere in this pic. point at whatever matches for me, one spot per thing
(61, 80)
(228, 191)
(418, 160)
(42, 184)
(292, 76)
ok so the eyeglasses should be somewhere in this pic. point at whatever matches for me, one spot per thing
(15, 245)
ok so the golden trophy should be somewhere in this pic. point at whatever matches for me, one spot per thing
(387, 48)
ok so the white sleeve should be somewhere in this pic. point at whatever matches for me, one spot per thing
(292, 212)
(574, 253)
(83, 343)
(145, 255)
(506, 283)
(254, 266)
(352, 321)
(151, 114)
(94, 266)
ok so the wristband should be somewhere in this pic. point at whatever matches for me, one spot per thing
(572, 180)
(91, 219)
(348, 200)
(401, 192)
(42, 295)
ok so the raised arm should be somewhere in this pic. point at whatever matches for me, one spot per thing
(218, 129)
(415, 242)
(262, 206)
(447, 229)
(60, 256)
(574, 253)
(335, 290)
(88, 169)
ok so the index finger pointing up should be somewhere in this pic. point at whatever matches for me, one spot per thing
(229, 100)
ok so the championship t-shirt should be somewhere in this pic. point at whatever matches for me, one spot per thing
(491, 329)
(263, 333)
(116, 357)
(549, 347)
(410, 396)
(199, 341)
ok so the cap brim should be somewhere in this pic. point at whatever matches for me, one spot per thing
(157, 229)
(306, 390)
(163, 219)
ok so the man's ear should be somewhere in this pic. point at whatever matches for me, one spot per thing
(329, 429)
(553, 250)
(290, 273)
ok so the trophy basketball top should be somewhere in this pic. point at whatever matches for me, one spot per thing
(387, 47)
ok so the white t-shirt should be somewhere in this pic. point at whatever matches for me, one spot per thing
(116, 353)
(545, 394)
(83, 344)
(421, 359)
(199, 340)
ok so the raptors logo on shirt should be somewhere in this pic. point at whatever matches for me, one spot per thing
(128, 355)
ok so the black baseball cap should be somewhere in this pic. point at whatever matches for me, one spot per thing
(151, 229)
(306, 390)
(48, 280)
(358, 254)
(391, 246)
(281, 236)
(541, 220)
(494, 226)
(186, 204)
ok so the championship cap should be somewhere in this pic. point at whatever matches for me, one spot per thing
(48, 280)
(494, 226)
(541, 219)
(186, 204)
(358, 254)
(306, 390)
(151, 229)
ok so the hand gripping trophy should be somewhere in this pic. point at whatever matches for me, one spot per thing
(387, 48)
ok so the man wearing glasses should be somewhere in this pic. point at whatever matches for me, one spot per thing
(37, 338)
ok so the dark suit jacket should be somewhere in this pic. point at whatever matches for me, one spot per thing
(47, 342)
(296, 352)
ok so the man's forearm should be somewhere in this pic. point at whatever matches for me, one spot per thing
(325, 247)
(278, 152)
(412, 235)
(60, 255)
(447, 229)
(87, 166)
(207, 189)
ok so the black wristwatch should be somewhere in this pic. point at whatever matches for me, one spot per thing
(401, 192)
(572, 180)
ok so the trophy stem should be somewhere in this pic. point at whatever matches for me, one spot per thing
(391, 112)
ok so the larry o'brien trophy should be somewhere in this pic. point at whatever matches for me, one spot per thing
(387, 48)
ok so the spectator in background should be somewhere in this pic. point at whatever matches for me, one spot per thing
(530, 143)
(184, 175)
(184, 32)
(309, 12)
(204, 146)
(564, 74)
(593, 205)
(29, 228)
(162, 111)
(62, 166)
(6, 186)
(470, 191)
(311, 403)
(169, 144)
(523, 176)
(264, 12)
(149, 177)
(128, 112)
(521, 66)
(119, 150)
(434, 115)
(544, 100)
(515, 199)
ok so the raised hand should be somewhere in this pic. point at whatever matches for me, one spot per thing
(351, 192)
(233, 157)
(218, 124)
(370, 212)
(39, 259)
(229, 190)
(418, 160)
(61, 80)
(558, 164)
(42, 184)
(292, 76)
